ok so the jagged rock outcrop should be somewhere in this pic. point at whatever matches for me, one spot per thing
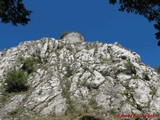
(73, 37)
(102, 78)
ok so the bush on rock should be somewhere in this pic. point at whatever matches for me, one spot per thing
(16, 81)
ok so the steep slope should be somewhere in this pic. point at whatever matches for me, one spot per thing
(79, 78)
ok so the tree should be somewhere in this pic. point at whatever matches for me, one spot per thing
(14, 11)
(150, 9)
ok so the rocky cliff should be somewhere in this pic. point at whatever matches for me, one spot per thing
(78, 78)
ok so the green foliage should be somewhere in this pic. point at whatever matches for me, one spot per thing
(157, 27)
(147, 8)
(71, 107)
(60, 117)
(145, 76)
(69, 71)
(16, 81)
(153, 90)
(112, 112)
(134, 77)
(66, 94)
(130, 69)
(63, 35)
(157, 69)
(65, 88)
(14, 113)
(4, 97)
(93, 103)
(29, 64)
(14, 11)
(150, 9)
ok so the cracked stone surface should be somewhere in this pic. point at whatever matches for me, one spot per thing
(78, 71)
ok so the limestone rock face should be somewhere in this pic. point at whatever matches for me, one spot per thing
(102, 77)
(74, 37)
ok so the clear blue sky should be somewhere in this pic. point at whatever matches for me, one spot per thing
(96, 20)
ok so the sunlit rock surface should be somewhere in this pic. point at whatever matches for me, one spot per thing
(80, 72)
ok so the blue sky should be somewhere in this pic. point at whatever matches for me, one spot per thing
(96, 20)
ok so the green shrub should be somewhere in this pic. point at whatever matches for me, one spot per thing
(145, 76)
(16, 81)
(93, 103)
(29, 64)
(153, 90)
(63, 35)
(69, 71)
(157, 68)
(130, 69)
